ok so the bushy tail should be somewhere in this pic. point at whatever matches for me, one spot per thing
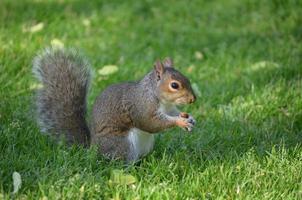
(61, 103)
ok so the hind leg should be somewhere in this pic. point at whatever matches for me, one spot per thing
(116, 147)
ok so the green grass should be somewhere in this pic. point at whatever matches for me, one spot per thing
(247, 144)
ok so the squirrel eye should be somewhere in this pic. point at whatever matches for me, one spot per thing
(174, 85)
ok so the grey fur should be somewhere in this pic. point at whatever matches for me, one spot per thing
(61, 104)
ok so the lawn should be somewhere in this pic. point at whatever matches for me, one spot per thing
(244, 58)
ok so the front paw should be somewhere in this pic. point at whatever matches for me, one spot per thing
(187, 116)
(186, 121)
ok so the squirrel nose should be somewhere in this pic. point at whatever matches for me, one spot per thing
(193, 99)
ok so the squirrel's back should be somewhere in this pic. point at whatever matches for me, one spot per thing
(61, 102)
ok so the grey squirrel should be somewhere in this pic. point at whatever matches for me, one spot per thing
(124, 115)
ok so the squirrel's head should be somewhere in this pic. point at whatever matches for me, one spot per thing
(172, 86)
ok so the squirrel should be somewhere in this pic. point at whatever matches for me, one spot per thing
(125, 116)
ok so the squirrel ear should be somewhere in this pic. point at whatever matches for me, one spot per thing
(159, 69)
(168, 62)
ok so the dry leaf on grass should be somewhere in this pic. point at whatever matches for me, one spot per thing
(107, 70)
(86, 22)
(120, 178)
(17, 182)
(263, 65)
(35, 28)
(198, 55)
(57, 43)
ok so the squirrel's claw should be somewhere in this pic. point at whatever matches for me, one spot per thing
(188, 121)
(192, 120)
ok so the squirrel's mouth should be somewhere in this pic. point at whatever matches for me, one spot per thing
(182, 101)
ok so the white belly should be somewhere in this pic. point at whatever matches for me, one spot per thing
(141, 142)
